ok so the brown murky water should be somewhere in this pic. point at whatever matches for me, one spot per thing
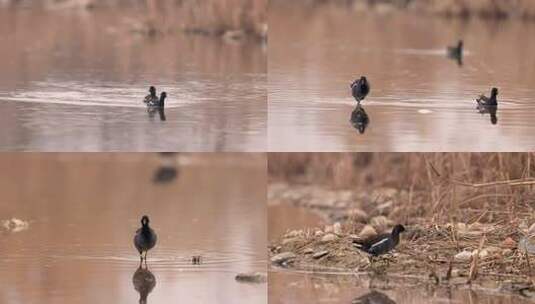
(282, 218)
(419, 101)
(74, 80)
(83, 211)
(288, 286)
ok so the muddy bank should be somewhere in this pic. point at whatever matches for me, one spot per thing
(486, 248)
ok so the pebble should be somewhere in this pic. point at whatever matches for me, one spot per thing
(507, 252)
(385, 208)
(308, 251)
(358, 215)
(367, 232)
(531, 230)
(320, 254)
(337, 228)
(329, 238)
(509, 243)
(294, 234)
(15, 225)
(290, 240)
(251, 277)
(463, 256)
(318, 233)
(380, 223)
(482, 254)
(283, 257)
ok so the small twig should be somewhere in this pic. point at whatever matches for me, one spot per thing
(511, 182)
(474, 266)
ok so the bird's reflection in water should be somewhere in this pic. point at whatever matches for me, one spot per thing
(153, 110)
(457, 58)
(144, 282)
(373, 297)
(491, 110)
(168, 170)
(359, 119)
(456, 53)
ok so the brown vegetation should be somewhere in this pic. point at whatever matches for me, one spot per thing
(234, 18)
(469, 215)
(450, 8)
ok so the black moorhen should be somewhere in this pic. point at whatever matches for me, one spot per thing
(151, 98)
(486, 101)
(360, 88)
(145, 238)
(382, 243)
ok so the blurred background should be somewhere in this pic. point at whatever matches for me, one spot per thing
(67, 223)
(210, 17)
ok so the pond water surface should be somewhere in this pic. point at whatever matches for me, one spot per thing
(74, 80)
(83, 211)
(419, 101)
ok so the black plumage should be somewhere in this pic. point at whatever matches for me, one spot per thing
(145, 238)
(158, 102)
(151, 98)
(492, 101)
(382, 243)
(360, 88)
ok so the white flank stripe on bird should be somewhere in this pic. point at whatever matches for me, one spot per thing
(379, 243)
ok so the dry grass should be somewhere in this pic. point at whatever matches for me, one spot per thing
(480, 203)
(442, 185)
(451, 8)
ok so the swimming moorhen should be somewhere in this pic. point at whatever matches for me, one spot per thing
(486, 101)
(360, 88)
(160, 103)
(151, 98)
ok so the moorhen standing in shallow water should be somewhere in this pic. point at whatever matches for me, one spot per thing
(382, 243)
(151, 98)
(360, 88)
(145, 238)
(484, 101)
